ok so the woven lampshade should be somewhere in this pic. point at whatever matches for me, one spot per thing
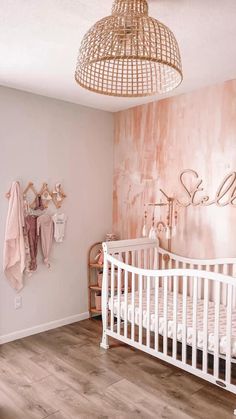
(129, 54)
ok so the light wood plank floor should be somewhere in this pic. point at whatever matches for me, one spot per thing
(63, 374)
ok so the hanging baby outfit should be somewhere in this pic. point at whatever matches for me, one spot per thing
(31, 241)
(59, 227)
(45, 230)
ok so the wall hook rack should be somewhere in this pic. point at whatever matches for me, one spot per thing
(56, 196)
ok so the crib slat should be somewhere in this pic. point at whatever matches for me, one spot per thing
(133, 258)
(151, 264)
(175, 317)
(205, 326)
(126, 285)
(148, 313)
(112, 297)
(160, 260)
(184, 326)
(194, 343)
(165, 337)
(148, 252)
(140, 309)
(234, 270)
(168, 265)
(139, 258)
(234, 290)
(145, 259)
(185, 266)
(118, 300)
(191, 280)
(157, 314)
(216, 328)
(161, 266)
(151, 258)
(126, 304)
(133, 308)
(224, 286)
(199, 288)
(229, 333)
(156, 259)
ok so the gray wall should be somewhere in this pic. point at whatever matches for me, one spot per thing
(46, 140)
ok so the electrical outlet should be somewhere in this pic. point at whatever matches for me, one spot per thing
(18, 302)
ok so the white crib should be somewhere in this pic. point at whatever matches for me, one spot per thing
(179, 310)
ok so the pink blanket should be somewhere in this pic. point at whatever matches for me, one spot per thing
(14, 248)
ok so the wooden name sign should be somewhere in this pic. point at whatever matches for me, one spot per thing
(225, 194)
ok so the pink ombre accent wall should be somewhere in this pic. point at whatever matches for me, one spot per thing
(155, 142)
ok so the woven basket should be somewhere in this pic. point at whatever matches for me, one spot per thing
(99, 276)
(98, 301)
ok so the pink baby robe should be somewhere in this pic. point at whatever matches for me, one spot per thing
(14, 246)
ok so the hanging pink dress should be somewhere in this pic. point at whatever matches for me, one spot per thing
(45, 230)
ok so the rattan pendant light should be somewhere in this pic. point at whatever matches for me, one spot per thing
(129, 54)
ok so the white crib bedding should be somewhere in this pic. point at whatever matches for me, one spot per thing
(200, 311)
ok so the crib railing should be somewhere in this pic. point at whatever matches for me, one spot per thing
(226, 266)
(128, 289)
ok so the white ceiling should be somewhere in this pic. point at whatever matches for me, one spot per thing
(39, 41)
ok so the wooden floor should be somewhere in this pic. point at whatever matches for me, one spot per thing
(63, 374)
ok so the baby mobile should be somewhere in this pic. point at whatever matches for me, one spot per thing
(160, 227)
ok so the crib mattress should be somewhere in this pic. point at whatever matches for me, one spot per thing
(200, 316)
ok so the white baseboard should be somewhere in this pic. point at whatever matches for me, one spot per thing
(43, 328)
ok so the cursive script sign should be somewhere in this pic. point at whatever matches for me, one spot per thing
(195, 196)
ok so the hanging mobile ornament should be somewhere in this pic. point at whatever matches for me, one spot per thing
(168, 230)
(161, 225)
(175, 223)
(144, 231)
(153, 232)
